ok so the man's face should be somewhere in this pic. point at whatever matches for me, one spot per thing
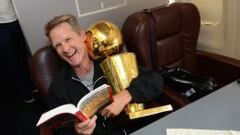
(69, 44)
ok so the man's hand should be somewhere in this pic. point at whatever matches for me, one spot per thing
(120, 101)
(86, 127)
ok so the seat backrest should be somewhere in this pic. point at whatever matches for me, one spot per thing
(164, 36)
(45, 63)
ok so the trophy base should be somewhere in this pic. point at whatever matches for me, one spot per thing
(150, 111)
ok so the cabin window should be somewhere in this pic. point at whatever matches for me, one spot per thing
(219, 26)
(97, 6)
(212, 25)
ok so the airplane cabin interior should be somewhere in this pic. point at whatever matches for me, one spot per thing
(192, 44)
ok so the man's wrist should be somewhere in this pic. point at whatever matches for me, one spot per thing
(126, 96)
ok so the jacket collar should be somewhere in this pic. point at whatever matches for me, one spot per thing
(69, 72)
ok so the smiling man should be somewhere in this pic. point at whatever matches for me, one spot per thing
(81, 75)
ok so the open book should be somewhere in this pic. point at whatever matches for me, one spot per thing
(86, 108)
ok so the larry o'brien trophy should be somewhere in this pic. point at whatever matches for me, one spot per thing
(104, 39)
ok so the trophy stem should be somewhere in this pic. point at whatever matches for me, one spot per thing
(120, 69)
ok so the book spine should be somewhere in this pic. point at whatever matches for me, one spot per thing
(80, 116)
(110, 93)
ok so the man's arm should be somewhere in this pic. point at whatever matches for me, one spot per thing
(145, 87)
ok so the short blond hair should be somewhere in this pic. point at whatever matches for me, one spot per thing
(67, 18)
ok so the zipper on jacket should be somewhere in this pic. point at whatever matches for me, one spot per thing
(94, 83)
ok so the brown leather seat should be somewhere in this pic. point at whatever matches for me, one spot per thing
(45, 63)
(164, 36)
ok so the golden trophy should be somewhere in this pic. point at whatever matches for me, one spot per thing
(105, 39)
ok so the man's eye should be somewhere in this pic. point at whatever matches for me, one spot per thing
(68, 39)
(57, 45)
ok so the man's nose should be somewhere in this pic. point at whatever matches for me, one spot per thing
(65, 47)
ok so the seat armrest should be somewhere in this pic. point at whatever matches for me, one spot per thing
(175, 97)
(168, 96)
(222, 69)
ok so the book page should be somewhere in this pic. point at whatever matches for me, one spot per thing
(63, 109)
(94, 101)
(178, 131)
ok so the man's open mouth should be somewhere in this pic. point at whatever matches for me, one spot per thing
(70, 55)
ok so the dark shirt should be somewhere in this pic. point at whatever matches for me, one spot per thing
(67, 88)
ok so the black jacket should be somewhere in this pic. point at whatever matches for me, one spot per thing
(67, 88)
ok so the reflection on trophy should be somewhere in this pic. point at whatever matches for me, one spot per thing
(104, 41)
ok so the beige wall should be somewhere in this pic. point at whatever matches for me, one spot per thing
(33, 14)
(220, 27)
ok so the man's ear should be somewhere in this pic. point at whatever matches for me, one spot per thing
(83, 35)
